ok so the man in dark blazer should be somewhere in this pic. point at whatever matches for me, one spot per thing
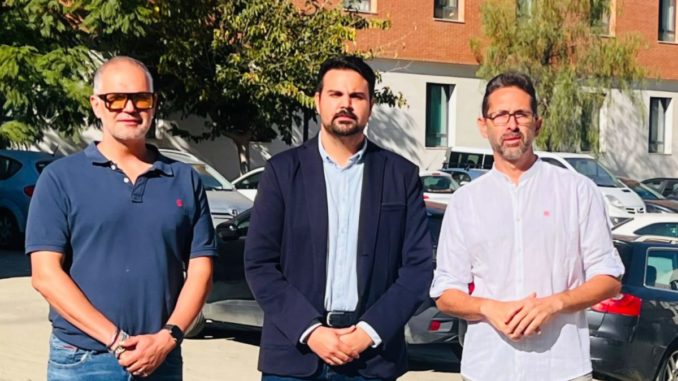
(338, 252)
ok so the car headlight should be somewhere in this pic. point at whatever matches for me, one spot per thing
(614, 201)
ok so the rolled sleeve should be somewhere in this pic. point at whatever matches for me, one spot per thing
(453, 263)
(599, 255)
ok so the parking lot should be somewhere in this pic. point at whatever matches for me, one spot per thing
(223, 352)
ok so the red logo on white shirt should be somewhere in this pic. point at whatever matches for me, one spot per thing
(547, 213)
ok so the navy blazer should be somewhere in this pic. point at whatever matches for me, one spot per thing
(286, 253)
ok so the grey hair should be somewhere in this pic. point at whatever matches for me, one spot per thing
(114, 60)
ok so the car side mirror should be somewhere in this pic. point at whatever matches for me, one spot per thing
(227, 231)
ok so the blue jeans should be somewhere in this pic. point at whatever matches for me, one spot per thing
(69, 363)
(326, 373)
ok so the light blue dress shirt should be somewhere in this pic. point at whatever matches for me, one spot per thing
(344, 190)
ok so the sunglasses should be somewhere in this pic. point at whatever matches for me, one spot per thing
(118, 101)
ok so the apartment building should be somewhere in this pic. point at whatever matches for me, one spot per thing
(426, 56)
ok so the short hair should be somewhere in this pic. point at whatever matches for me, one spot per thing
(510, 79)
(100, 71)
(347, 62)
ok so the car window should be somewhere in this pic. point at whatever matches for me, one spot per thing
(8, 167)
(211, 179)
(438, 184)
(39, 166)
(665, 229)
(434, 223)
(553, 161)
(661, 269)
(469, 160)
(461, 176)
(645, 192)
(594, 171)
(654, 184)
(250, 182)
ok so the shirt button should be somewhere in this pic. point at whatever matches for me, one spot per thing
(113, 167)
(126, 180)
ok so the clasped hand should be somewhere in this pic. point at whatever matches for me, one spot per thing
(338, 346)
(521, 318)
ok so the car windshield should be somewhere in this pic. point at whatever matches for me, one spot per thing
(645, 192)
(594, 171)
(211, 179)
(439, 184)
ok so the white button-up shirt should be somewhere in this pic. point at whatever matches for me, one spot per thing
(546, 234)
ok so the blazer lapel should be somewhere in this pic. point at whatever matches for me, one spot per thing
(315, 195)
(370, 208)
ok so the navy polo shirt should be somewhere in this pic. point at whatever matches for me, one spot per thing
(126, 245)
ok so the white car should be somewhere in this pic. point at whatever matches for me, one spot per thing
(438, 186)
(224, 201)
(649, 225)
(622, 203)
(247, 184)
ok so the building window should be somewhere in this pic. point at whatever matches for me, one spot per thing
(603, 17)
(448, 10)
(667, 20)
(437, 114)
(659, 119)
(524, 9)
(360, 5)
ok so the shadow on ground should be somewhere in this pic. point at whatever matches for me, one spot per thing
(14, 264)
(434, 357)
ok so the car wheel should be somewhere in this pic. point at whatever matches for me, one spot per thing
(196, 327)
(669, 368)
(9, 231)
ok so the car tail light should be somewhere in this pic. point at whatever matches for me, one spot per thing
(29, 190)
(434, 325)
(622, 304)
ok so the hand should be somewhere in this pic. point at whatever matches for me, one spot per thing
(358, 340)
(326, 343)
(144, 353)
(499, 313)
(535, 313)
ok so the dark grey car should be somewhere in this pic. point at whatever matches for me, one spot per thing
(635, 335)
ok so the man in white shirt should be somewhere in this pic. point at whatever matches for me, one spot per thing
(534, 240)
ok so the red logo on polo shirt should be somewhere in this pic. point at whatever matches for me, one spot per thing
(547, 213)
(180, 203)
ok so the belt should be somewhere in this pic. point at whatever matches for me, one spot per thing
(340, 319)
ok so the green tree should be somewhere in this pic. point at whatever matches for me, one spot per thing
(48, 52)
(249, 66)
(564, 46)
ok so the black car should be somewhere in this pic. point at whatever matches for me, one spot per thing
(634, 336)
(655, 202)
(231, 299)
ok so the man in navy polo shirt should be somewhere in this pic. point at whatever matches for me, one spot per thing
(110, 232)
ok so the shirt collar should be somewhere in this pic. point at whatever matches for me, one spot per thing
(161, 163)
(531, 172)
(355, 158)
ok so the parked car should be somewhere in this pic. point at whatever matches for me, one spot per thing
(634, 336)
(438, 186)
(224, 201)
(667, 186)
(19, 171)
(231, 299)
(621, 202)
(464, 176)
(468, 157)
(655, 202)
(659, 225)
(248, 183)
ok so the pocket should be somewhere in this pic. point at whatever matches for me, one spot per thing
(64, 355)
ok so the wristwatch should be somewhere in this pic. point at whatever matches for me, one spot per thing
(175, 332)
